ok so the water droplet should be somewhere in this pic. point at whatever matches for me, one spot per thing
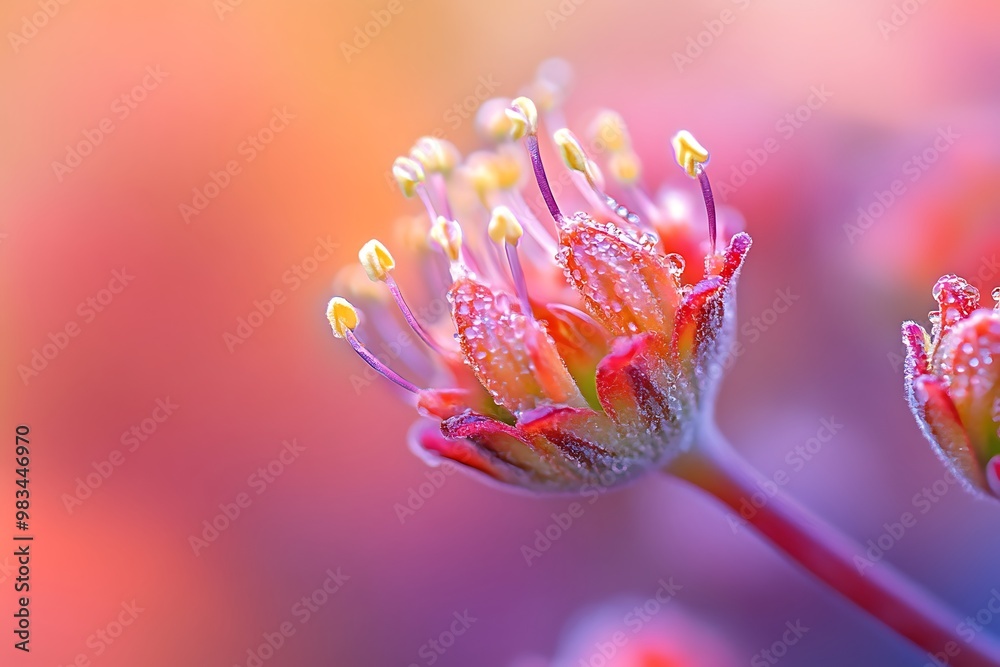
(996, 294)
(675, 263)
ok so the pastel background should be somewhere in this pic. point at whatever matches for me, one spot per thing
(213, 73)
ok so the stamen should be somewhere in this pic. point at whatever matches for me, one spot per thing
(492, 121)
(524, 120)
(576, 159)
(378, 263)
(435, 155)
(996, 297)
(692, 157)
(495, 176)
(343, 318)
(504, 228)
(411, 177)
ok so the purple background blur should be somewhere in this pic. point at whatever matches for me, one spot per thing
(898, 74)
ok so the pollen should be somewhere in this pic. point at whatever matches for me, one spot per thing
(523, 117)
(376, 260)
(688, 152)
(435, 155)
(342, 315)
(408, 174)
(504, 226)
(447, 234)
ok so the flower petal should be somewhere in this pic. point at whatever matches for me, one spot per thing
(943, 427)
(511, 353)
(582, 435)
(642, 391)
(969, 364)
(625, 283)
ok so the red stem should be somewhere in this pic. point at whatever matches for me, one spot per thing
(822, 550)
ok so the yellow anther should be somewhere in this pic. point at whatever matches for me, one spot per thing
(609, 130)
(504, 226)
(408, 174)
(492, 121)
(507, 168)
(625, 167)
(689, 152)
(570, 150)
(447, 234)
(523, 117)
(377, 260)
(435, 155)
(342, 315)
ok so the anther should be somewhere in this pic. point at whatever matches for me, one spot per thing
(378, 263)
(343, 319)
(504, 228)
(693, 157)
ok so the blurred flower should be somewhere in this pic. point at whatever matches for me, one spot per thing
(637, 633)
(606, 365)
(953, 382)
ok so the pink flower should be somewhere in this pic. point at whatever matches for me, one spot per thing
(578, 354)
(953, 382)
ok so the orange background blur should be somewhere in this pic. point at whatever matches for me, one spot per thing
(164, 97)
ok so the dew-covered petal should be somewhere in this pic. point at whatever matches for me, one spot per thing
(968, 359)
(625, 283)
(642, 390)
(510, 352)
(941, 424)
(583, 436)
(468, 453)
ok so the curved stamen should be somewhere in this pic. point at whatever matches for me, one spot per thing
(706, 191)
(692, 156)
(577, 159)
(504, 228)
(378, 264)
(524, 120)
(343, 319)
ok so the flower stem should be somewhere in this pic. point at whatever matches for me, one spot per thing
(715, 467)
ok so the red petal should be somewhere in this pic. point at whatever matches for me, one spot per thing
(942, 425)
(640, 388)
(583, 436)
(508, 443)
(510, 353)
(626, 284)
(915, 340)
(467, 453)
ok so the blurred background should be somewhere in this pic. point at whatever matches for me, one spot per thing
(180, 183)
